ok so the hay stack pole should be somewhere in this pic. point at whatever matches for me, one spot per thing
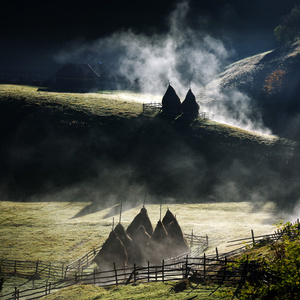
(120, 213)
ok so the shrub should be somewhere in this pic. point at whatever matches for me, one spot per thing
(278, 273)
(289, 29)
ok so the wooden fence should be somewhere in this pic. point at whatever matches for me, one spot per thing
(212, 268)
(196, 268)
(156, 106)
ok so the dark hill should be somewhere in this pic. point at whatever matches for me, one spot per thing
(272, 80)
(51, 150)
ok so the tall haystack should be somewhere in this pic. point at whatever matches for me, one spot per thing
(140, 239)
(123, 236)
(157, 248)
(168, 218)
(189, 106)
(140, 219)
(171, 103)
(178, 244)
(112, 251)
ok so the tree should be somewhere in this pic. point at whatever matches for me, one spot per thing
(289, 29)
(277, 274)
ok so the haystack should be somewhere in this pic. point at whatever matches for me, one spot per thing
(112, 251)
(178, 244)
(157, 248)
(140, 239)
(170, 102)
(140, 219)
(189, 106)
(168, 218)
(123, 236)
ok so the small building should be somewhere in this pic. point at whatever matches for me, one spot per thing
(75, 78)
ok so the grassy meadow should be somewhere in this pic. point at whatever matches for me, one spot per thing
(51, 232)
(69, 159)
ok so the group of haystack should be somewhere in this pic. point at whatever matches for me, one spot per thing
(140, 244)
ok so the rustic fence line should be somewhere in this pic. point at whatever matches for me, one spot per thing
(195, 268)
(153, 106)
(292, 230)
(62, 270)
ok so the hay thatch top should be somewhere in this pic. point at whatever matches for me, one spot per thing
(160, 233)
(189, 105)
(122, 235)
(168, 218)
(140, 219)
(170, 100)
(71, 70)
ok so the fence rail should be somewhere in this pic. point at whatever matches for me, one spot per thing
(154, 106)
(198, 268)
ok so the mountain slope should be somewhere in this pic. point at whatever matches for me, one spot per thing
(50, 146)
(271, 80)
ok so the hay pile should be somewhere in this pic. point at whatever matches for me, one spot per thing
(141, 219)
(112, 251)
(137, 245)
(171, 103)
(189, 106)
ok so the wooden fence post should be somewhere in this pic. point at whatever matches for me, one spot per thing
(204, 271)
(186, 267)
(36, 267)
(253, 238)
(148, 271)
(207, 240)
(192, 239)
(217, 253)
(49, 273)
(116, 274)
(134, 273)
(94, 276)
(163, 270)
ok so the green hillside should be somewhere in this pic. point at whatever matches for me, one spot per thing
(101, 146)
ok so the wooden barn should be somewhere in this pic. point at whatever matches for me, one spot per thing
(75, 78)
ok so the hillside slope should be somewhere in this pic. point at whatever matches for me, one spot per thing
(91, 149)
(271, 80)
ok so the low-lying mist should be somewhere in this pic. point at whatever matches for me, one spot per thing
(183, 56)
(113, 160)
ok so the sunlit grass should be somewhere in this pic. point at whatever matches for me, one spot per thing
(139, 291)
(48, 231)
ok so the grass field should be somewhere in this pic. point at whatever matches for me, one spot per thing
(48, 231)
(52, 139)
(141, 291)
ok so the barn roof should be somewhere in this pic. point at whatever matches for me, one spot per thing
(71, 70)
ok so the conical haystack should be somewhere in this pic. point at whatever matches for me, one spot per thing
(157, 248)
(140, 219)
(112, 251)
(178, 244)
(170, 102)
(140, 239)
(123, 236)
(168, 218)
(189, 106)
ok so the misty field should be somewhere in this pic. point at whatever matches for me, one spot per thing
(51, 232)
